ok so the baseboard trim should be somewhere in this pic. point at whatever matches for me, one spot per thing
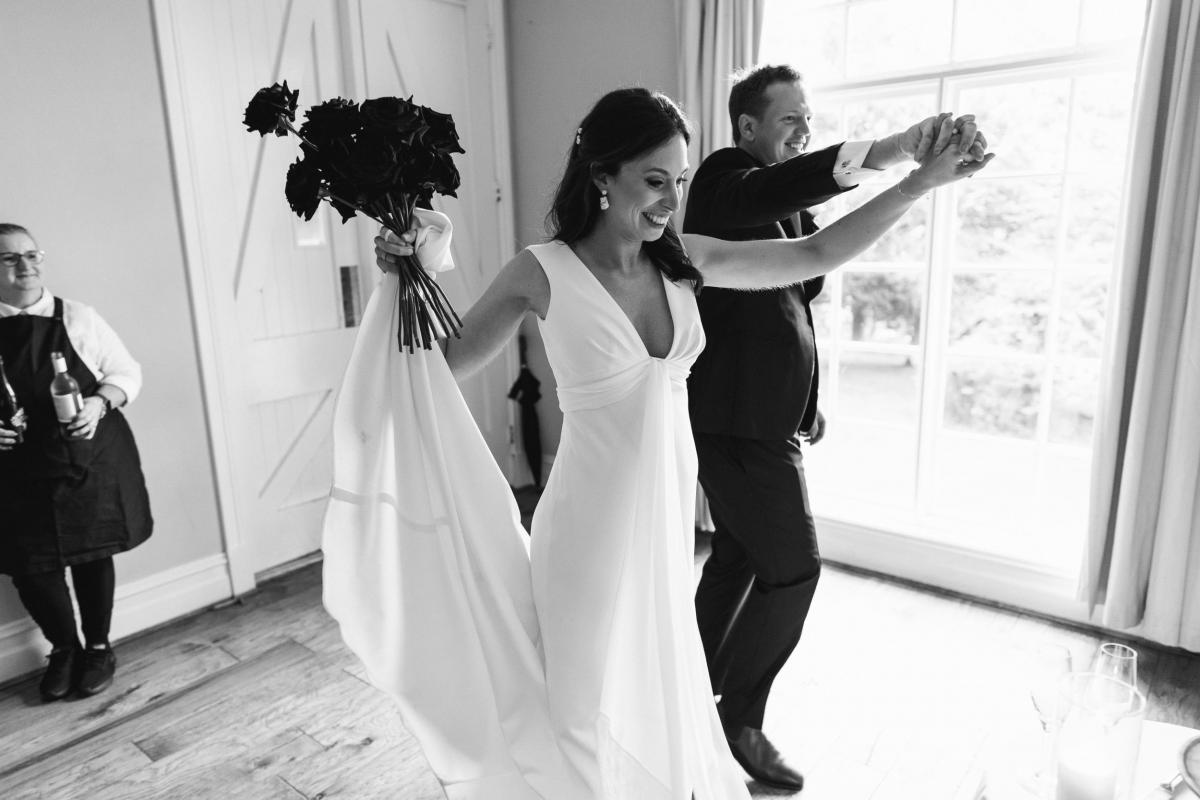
(138, 605)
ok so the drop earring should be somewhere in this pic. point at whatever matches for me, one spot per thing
(604, 199)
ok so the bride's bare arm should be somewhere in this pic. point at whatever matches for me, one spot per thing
(520, 287)
(783, 262)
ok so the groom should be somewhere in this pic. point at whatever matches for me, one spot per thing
(754, 393)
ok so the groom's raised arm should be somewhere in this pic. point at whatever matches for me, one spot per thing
(731, 190)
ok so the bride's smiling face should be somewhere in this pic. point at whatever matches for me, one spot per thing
(646, 191)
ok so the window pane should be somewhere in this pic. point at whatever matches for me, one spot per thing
(826, 124)
(999, 398)
(1081, 315)
(985, 30)
(908, 240)
(881, 307)
(876, 118)
(1024, 122)
(809, 37)
(1073, 402)
(883, 387)
(1060, 506)
(1007, 222)
(881, 35)
(999, 312)
(1093, 215)
(1109, 21)
(1100, 109)
(869, 462)
(982, 480)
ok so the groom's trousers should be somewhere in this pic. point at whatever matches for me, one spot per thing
(758, 584)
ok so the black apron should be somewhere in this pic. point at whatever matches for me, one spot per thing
(63, 501)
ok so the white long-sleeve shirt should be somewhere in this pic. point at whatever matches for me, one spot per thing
(97, 344)
(848, 170)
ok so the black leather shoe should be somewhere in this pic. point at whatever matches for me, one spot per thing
(60, 673)
(99, 665)
(755, 753)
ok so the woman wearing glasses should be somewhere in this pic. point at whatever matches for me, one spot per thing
(71, 494)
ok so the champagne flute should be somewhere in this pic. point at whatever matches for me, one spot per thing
(1046, 664)
(1116, 661)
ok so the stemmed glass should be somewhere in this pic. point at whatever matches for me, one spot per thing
(1045, 666)
(1116, 661)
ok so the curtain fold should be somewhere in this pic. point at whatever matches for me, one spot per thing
(718, 37)
(1142, 557)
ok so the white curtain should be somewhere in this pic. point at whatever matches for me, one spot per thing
(717, 38)
(1142, 560)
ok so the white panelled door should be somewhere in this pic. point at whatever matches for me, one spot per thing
(441, 52)
(274, 295)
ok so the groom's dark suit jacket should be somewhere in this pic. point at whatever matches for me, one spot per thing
(757, 376)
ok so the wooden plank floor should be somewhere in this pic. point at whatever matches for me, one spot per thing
(893, 693)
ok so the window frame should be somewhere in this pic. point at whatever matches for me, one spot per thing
(921, 529)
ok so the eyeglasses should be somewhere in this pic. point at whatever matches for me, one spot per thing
(29, 256)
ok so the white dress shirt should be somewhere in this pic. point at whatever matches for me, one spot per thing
(848, 170)
(97, 344)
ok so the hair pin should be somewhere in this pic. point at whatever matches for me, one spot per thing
(578, 133)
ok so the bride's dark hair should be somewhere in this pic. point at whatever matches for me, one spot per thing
(623, 125)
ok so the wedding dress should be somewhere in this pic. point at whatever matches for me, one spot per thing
(568, 669)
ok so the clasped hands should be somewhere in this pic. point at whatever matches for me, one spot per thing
(947, 150)
(932, 135)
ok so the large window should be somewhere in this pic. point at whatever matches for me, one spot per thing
(960, 357)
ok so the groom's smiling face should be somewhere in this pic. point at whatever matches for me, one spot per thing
(782, 131)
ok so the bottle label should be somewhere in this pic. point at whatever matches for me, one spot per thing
(66, 406)
(17, 423)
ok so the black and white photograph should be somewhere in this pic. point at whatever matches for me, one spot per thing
(600, 400)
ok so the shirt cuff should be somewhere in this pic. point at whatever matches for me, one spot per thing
(848, 170)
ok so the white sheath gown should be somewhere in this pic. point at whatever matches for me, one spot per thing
(571, 670)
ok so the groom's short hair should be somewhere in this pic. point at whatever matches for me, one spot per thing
(748, 94)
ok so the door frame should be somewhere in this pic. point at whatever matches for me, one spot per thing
(204, 316)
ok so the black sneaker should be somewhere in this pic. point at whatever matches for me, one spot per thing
(99, 664)
(60, 673)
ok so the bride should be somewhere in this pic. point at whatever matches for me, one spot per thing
(577, 673)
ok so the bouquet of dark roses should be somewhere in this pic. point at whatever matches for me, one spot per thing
(381, 158)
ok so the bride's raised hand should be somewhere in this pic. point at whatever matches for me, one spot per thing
(428, 237)
(944, 168)
(390, 248)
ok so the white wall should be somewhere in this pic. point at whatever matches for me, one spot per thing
(563, 55)
(84, 165)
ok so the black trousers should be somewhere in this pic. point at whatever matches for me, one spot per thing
(45, 597)
(758, 584)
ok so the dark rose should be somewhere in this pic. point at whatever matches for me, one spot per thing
(392, 114)
(373, 166)
(303, 188)
(428, 171)
(444, 175)
(331, 122)
(271, 109)
(440, 132)
(346, 198)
